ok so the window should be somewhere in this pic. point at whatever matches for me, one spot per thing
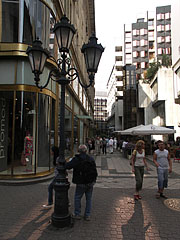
(135, 32)
(143, 42)
(143, 32)
(160, 39)
(151, 22)
(160, 16)
(168, 38)
(167, 15)
(160, 51)
(135, 43)
(168, 27)
(143, 53)
(143, 65)
(168, 50)
(160, 28)
(151, 45)
(135, 54)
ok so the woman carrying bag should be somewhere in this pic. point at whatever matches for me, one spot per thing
(138, 162)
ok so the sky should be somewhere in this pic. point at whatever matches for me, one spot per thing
(110, 17)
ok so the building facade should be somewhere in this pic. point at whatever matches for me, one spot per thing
(115, 93)
(100, 113)
(30, 117)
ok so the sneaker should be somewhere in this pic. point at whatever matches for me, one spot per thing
(48, 206)
(87, 218)
(77, 217)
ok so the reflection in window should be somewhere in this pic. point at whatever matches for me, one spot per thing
(25, 20)
(25, 131)
(68, 131)
(43, 132)
(6, 118)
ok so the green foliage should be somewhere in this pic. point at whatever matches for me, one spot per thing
(152, 70)
(166, 61)
(154, 66)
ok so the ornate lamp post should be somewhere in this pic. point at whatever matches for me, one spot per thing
(63, 74)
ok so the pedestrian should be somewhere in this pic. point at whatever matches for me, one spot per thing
(55, 152)
(98, 145)
(110, 144)
(124, 143)
(138, 161)
(84, 176)
(115, 143)
(104, 144)
(161, 159)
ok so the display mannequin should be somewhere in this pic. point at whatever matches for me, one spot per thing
(28, 151)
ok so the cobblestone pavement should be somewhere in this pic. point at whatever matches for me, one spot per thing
(115, 215)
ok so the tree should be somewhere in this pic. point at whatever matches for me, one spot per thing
(152, 70)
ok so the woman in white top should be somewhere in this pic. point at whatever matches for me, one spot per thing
(138, 162)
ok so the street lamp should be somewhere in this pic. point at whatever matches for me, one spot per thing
(63, 74)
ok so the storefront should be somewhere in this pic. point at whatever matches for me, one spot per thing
(29, 118)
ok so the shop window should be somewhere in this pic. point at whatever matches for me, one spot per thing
(25, 132)
(6, 139)
(76, 134)
(68, 132)
(43, 133)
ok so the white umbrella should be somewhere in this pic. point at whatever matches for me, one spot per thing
(152, 130)
(129, 131)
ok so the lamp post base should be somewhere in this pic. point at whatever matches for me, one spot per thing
(61, 222)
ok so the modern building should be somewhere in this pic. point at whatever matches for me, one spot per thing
(29, 118)
(145, 41)
(176, 50)
(156, 99)
(100, 113)
(148, 39)
(115, 93)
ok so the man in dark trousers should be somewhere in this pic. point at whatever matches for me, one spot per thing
(84, 176)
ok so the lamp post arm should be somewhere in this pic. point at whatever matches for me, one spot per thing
(75, 75)
(51, 74)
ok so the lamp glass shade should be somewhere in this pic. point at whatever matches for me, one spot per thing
(64, 32)
(92, 54)
(37, 57)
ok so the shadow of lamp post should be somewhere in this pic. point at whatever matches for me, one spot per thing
(63, 75)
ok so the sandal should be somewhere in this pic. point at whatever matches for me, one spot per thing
(136, 197)
(158, 195)
(139, 197)
(163, 196)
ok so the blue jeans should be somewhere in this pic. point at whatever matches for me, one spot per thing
(50, 192)
(82, 189)
(162, 178)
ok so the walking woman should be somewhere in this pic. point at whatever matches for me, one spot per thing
(138, 162)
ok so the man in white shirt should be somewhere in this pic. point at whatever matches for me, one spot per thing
(110, 144)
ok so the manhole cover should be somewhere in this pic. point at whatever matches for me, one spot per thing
(173, 203)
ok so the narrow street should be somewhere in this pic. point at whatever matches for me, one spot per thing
(115, 215)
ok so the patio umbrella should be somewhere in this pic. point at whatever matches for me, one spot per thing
(129, 131)
(152, 130)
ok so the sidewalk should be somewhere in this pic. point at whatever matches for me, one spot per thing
(115, 215)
